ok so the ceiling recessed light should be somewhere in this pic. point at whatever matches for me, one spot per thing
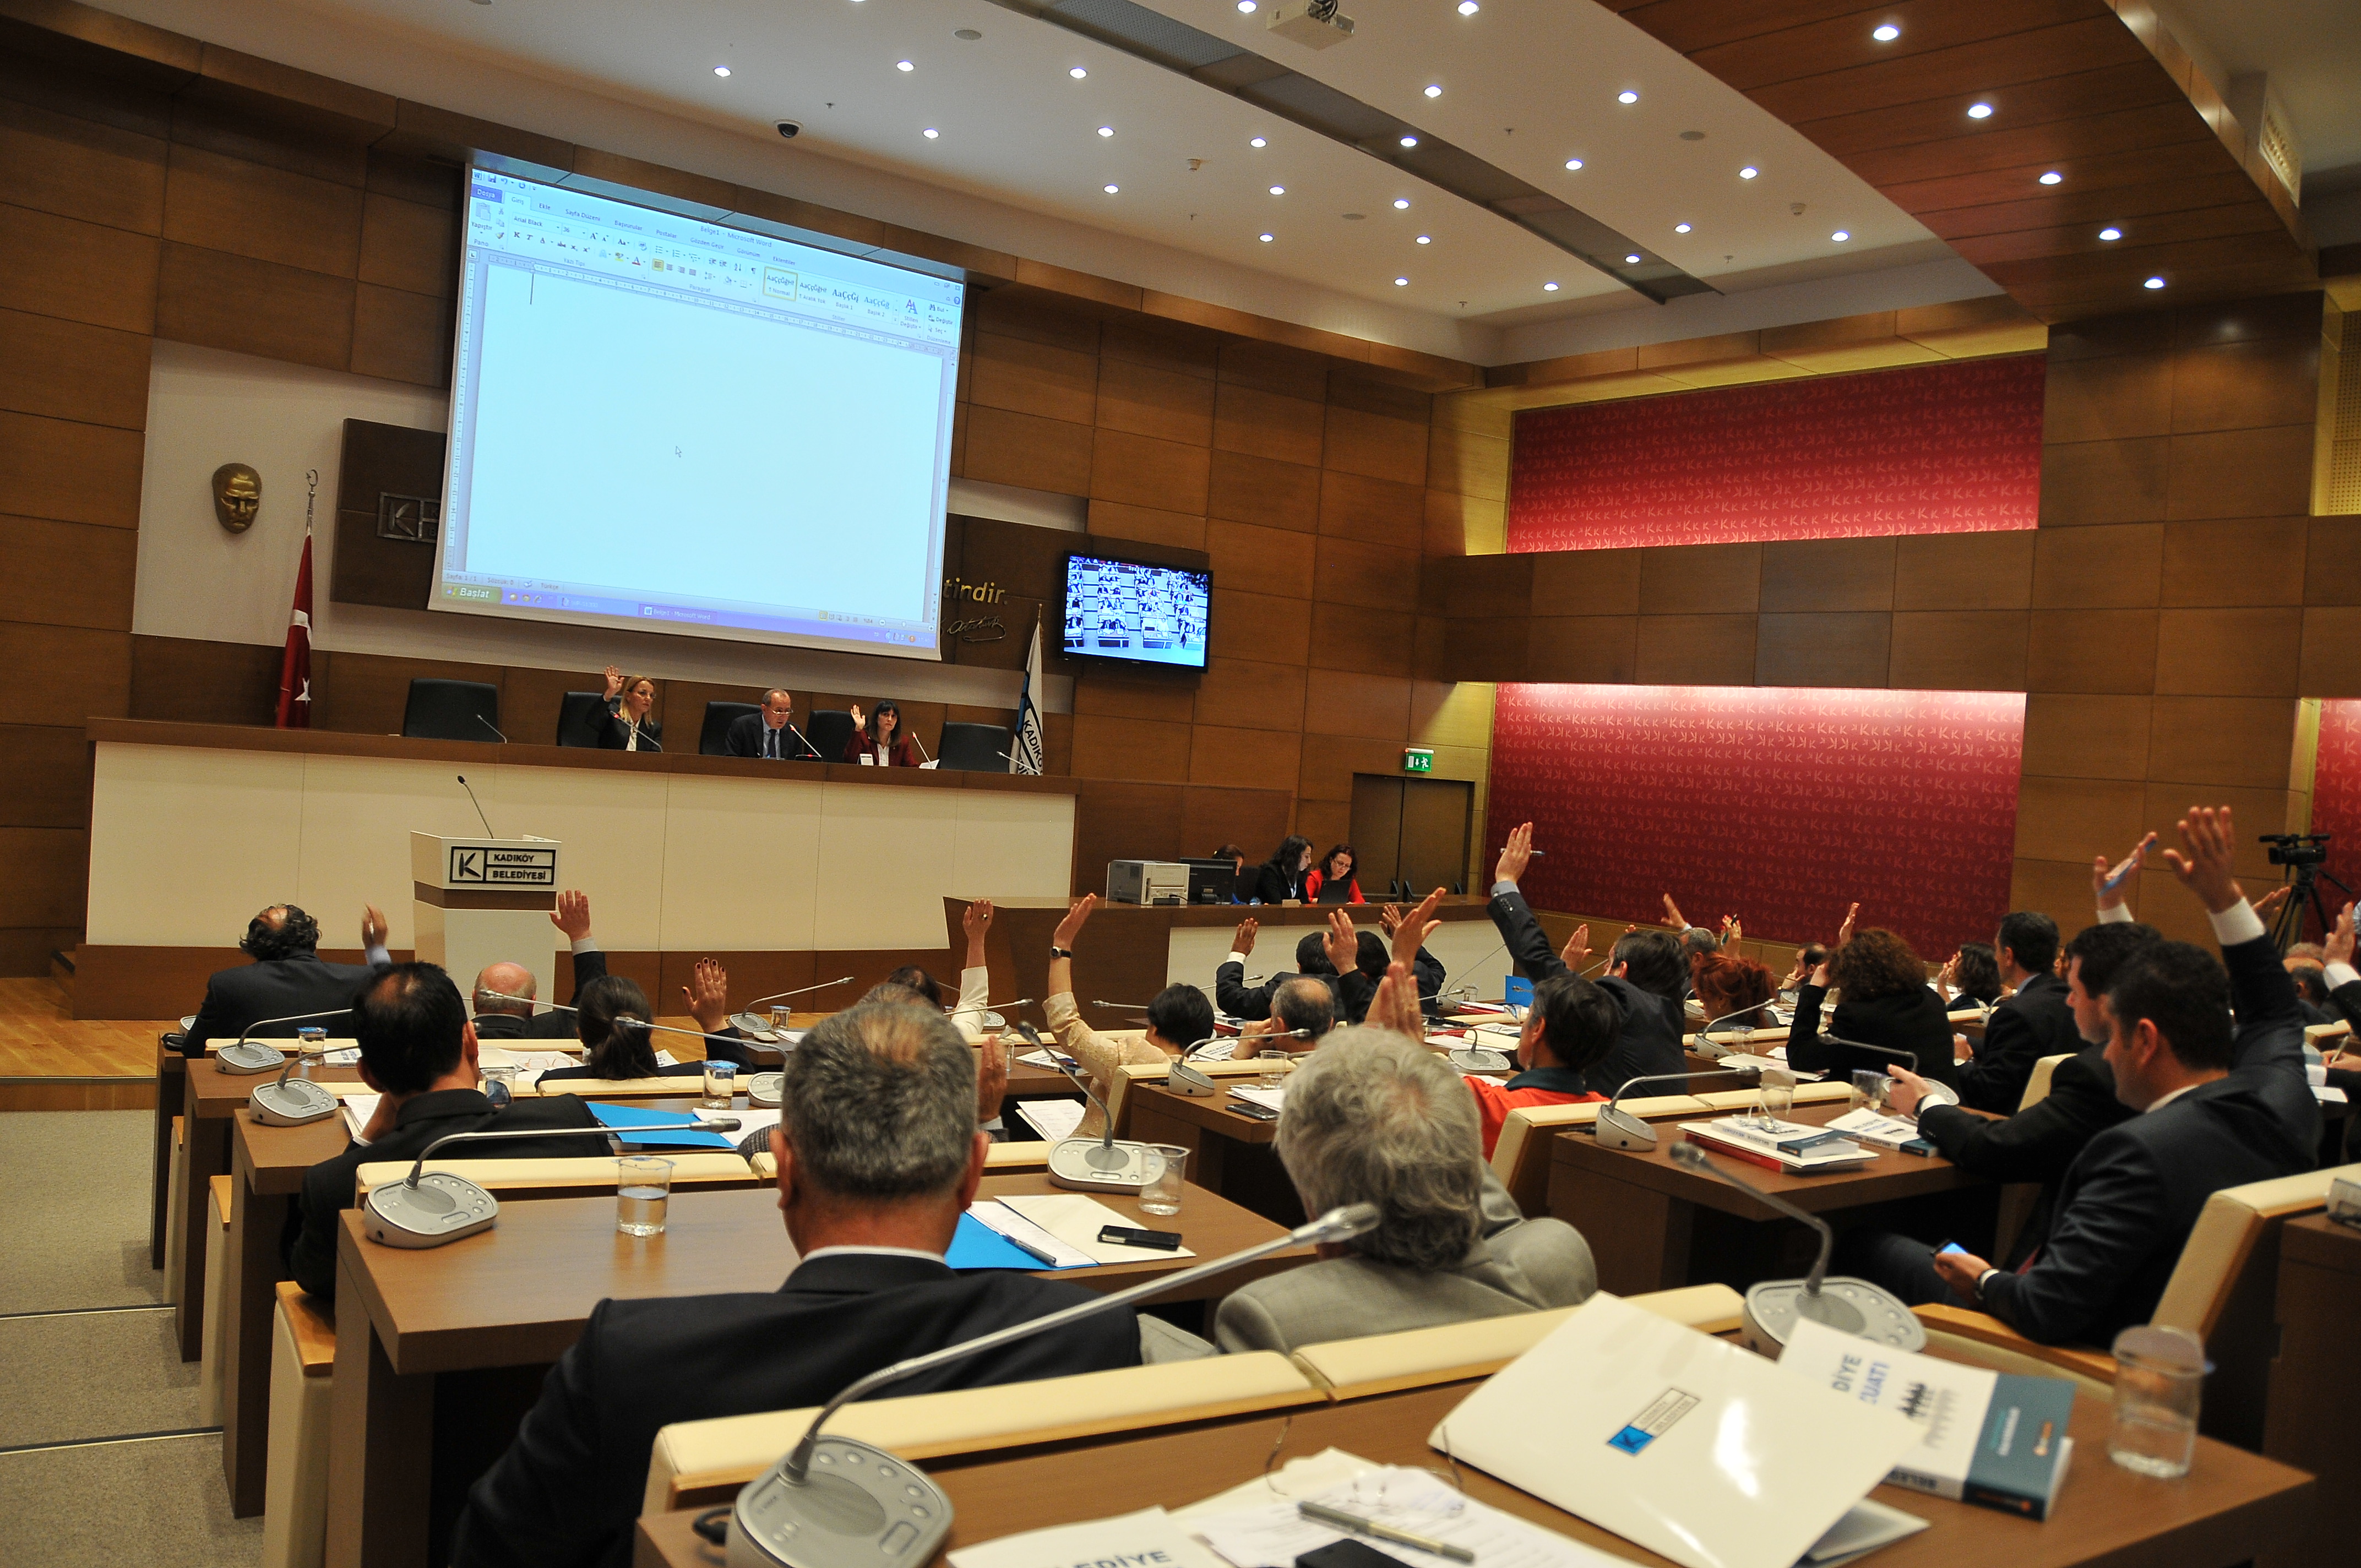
(930, 132)
(1402, 282)
(1426, 239)
(1574, 163)
(1258, 141)
(1627, 96)
(1749, 172)
(1106, 130)
(1549, 288)
(1680, 228)
(1400, 203)
(904, 65)
(1632, 259)
(720, 70)
(2052, 178)
(1980, 110)
(1841, 235)
(2111, 234)
(1886, 34)
(2153, 283)
(1278, 190)
(967, 35)
(1435, 90)
(1410, 141)
(1077, 73)
(1266, 239)
(1110, 190)
(1246, 6)
(1469, 8)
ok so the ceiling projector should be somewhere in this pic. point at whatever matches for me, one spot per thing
(1314, 23)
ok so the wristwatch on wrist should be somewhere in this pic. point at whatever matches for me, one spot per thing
(1980, 1280)
(1058, 953)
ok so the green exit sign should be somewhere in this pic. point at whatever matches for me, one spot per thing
(1418, 760)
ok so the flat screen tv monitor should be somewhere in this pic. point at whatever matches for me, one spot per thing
(1129, 612)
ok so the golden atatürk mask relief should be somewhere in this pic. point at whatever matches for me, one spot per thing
(238, 496)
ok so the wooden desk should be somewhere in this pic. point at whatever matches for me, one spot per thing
(171, 1077)
(2231, 1502)
(1639, 1212)
(1230, 1154)
(412, 1326)
(2315, 1379)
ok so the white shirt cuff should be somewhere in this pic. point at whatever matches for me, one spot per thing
(586, 945)
(2237, 924)
(376, 956)
(1237, 957)
(2342, 974)
(2115, 915)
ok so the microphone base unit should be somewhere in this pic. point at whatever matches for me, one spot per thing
(1619, 1129)
(1093, 1165)
(858, 1506)
(1476, 1059)
(1845, 1304)
(294, 1102)
(766, 1089)
(441, 1209)
(249, 1056)
(1186, 1079)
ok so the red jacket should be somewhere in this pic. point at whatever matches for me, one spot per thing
(1312, 881)
(902, 754)
(1495, 1100)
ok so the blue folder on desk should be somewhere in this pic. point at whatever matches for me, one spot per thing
(642, 1129)
(977, 1246)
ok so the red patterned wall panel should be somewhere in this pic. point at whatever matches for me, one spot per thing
(1952, 448)
(2336, 801)
(1778, 805)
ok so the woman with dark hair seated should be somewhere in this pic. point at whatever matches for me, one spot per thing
(1332, 880)
(1885, 1001)
(612, 1019)
(1727, 984)
(1280, 877)
(1972, 978)
(879, 739)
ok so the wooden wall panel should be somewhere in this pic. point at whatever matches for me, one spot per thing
(80, 272)
(1170, 475)
(1699, 580)
(1827, 575)
(1834, 649)
(69, 472)
(69, 573)
(409, 246)
(195, 682)
(2245, 561)
(1964, 570)
(1262, 423)
(1026, 450)
(266, 214)
(1265, 491)
(70, 370)
(2113, 565)
(79, 168)
(220, 300)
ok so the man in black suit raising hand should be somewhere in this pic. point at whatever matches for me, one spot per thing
(286, 977)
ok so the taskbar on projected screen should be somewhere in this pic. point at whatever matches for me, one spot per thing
(812, 624)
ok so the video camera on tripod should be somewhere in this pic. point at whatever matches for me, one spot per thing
(2297, 849)
(2304, 854)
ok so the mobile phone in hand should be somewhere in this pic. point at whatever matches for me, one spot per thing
(1950, 1249)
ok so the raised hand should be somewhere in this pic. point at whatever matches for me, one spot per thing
(614, 680)
(1415, 927)
(1950, 978)
(373, 926)
(1844, 932)
(1077, 916)
(2205, 870)
(1673, 916)
(1390, 917)
(1342, 946)
(1242, 939)
(1576, 954)
(572, 914)
(2338, 948)
(1515, 855)
(1732, 929)
(707, 994)
(2107, 881)
(2268, 904)
(1395, 1006)
(857, 719)
(976, 919)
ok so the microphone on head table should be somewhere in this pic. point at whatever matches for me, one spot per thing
(492, 726)
(841, 1503)
(247, 1054)
(476, 803)
(1775, 1306)
(426, 1210)
(807, 740)
(1617, 1128)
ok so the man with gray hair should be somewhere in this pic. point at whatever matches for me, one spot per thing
(1373, 1118)
(878, 1157)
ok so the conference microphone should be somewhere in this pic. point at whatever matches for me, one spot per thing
(807, 745)
(1937, 1093)
(1845, 1304)
(921, 745)
(247, 1054)
(1619, 1129)
(1186, 1078)
(492, 726)
(1703, 1036)
(760, 1028)
(476, 803)
(841, 1503)
(290, 1103)
(424, 1210)
(1099, 1164)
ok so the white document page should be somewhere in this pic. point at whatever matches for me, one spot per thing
(360, 1106)
(1053, 1119)
(1268, 1099)
(1274, 1535)
(1075, 1222)
(1147, 1537)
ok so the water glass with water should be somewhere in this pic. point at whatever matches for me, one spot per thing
(1778, 1096)
(721, 1085)
(2160, 1374)
(779, 1021)
(311, 1050)
(642, 1189)
(1870, 1088)
(1162, 1193)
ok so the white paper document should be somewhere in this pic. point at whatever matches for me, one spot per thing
(360, 1106)
(1221, 1051)
(1305, 1477)
(1274, 1534)
(1073, 1221)
(1148, 1539)
(1053, 1119)
(1675, 1441)
(1268, 1099)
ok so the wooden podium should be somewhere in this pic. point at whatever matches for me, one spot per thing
(482, 901)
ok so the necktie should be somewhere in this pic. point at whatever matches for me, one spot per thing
(769, 742)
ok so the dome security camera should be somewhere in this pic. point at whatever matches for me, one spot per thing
(790, 129)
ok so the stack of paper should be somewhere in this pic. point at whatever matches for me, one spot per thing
(1066, 1226)
(1055, 1120)
(360, 1106)
(1268, 1099)
(1729, 1135)
(1880, 1132)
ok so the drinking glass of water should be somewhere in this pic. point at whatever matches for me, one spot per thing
(1162, 1193)
(1778, 1096)
(1869, 1087)
(642, 1189)
(779, 1017)
(2159, 1374)
(721, 1085)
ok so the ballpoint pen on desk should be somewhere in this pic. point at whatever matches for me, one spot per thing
(1355, 1524)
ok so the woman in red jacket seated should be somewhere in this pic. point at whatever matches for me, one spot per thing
(881, 738)
(1335, 873)
(1571, 1026)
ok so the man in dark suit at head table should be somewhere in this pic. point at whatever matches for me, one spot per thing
(499, 1020)
(769, 731)
(286, 979)
(878, 1156)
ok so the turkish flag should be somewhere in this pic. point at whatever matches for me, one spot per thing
(295, 666)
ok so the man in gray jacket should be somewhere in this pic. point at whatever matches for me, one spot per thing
(1372, 1117)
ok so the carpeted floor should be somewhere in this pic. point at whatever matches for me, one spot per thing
(84, 1480)
(84, 1243)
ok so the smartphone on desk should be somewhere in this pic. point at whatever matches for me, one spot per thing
(1253, 1111)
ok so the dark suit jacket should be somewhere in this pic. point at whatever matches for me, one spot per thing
(565, 1494)
(2037, 1022)
(614, 732)
(2036, 1145)
(2129, 1201)
(1273, 887)
(1356, 990)
(1650, 1042)
(328, 1186)
(547, 1024)
(1233, 996)
(745, 739)
(236, 999)
(1914, 1021)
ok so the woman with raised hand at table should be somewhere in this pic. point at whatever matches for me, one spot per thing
(1885, 1001)
(625, 726)
(1179, 1017)
(880, 738)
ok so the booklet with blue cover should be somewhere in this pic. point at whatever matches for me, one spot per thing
(637, 1128)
